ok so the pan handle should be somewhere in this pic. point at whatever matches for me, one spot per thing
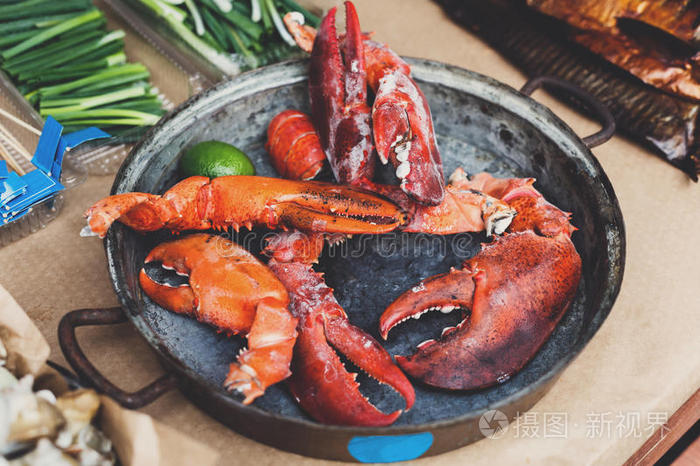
(595, 105)
(88, 373)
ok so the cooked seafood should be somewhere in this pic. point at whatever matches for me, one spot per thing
(598, 28)
(300, 158)
(319, 381)
(399, 120)
(676, 17)
(233, 291)
(516, 289)
(198, 203)
(38, 428)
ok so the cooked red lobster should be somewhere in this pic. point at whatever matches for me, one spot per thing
(515, 290)
(198, 203)
(399, 124)
(233, 291)
(319, 381)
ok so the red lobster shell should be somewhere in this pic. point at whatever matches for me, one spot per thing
(294, 147)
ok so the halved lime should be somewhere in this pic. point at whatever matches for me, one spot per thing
(215, 158)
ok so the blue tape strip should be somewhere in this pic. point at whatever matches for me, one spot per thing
(39, 186)
(389, 448)
(84, 135)
(58, 159)
(71, 140)
(45, 152)
(3, 170)
(12, 186)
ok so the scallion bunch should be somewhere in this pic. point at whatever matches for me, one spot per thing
(67, 64)
(251, 32)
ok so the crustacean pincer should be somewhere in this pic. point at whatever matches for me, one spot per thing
(399, 122)
(516, 289)
(234, 292)
(200, 203)
(319, 381)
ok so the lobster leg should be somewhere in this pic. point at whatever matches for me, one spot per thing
(231, 290)
(197, 203)
(266, 360)
(319, 381)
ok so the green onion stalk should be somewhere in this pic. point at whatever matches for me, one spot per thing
(247, 33)
(61, 56)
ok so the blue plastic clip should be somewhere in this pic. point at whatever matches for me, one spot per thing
(46, 149)
(71, 140)
(19, 194)
(39, 186)
(12, 186)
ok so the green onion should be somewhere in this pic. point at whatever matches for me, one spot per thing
(125, 73)
(30, 8)
(60, 59)
(51, 32)
(237, 20)
(267, 22)
(281, 28)
(32, 23)
(196, 17)
(251, 30)
(255, 13)
(109, 116)
(91, 26)
(36, 56)
(165, 11)
(73, 105)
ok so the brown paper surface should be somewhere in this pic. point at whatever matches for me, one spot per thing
(140, 441)
(643, 360)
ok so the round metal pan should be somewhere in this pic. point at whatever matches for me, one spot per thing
(481, 124)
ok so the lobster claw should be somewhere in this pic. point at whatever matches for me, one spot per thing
(322, 385)
(403, 126)
(338, 95)
(231, 290)
(319, 381)
(517, 289)
(198, 203)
